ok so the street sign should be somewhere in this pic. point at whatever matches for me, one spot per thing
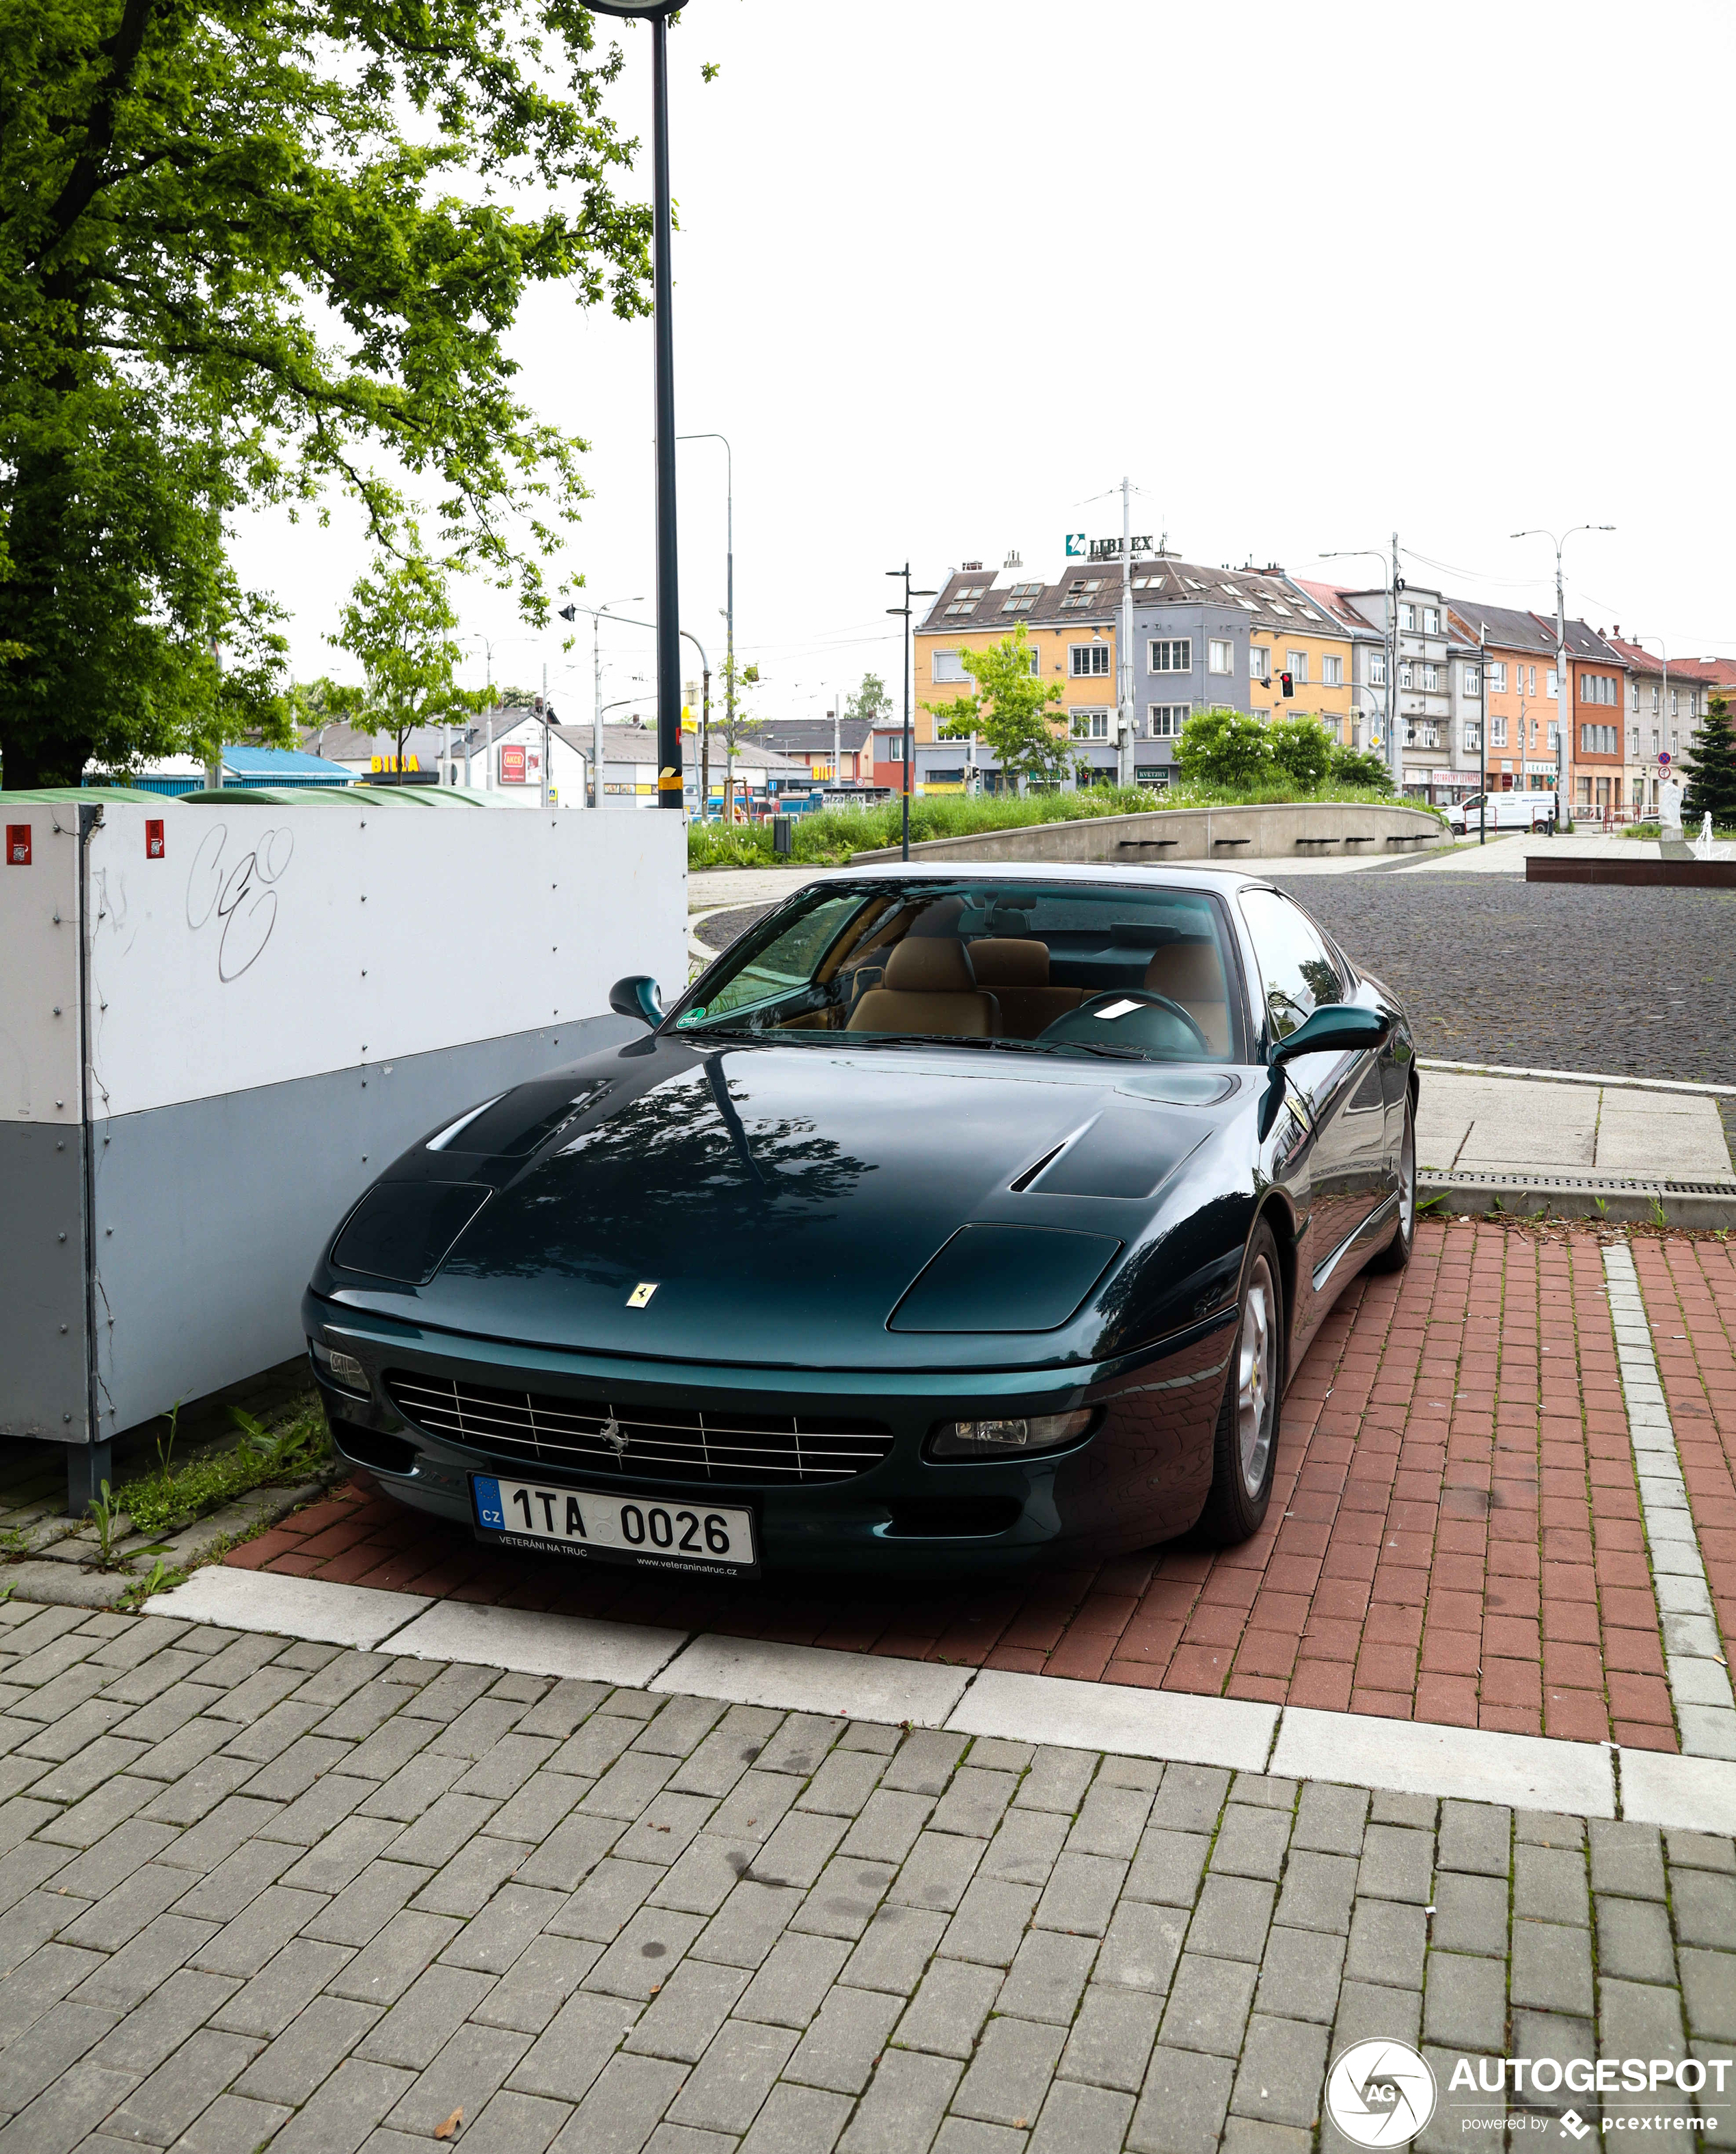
(1663, 758)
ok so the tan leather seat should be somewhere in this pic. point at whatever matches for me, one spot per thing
(1018, 971)
(930, 987)
(1192, 974)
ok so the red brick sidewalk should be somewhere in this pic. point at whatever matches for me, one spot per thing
(1454, 1536)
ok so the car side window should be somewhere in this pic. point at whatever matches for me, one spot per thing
(1296, 969)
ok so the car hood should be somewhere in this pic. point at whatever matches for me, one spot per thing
(781, 1203)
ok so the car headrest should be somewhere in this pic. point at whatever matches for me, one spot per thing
(928, 965)
(1001, 961)
(1187, 972)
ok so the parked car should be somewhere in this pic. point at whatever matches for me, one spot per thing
(1503, 811)
(957, 1221)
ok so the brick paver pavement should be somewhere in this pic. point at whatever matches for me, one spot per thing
(259, 1893)
(1455, 1534)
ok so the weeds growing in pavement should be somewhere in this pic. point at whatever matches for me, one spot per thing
(172, 1496)
(1658, 1216)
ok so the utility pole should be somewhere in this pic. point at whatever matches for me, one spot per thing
(1395, 743)
(837, 736)
(905, 609)
(728, 613)
(542, 714)
(1124, 697)
(1482, 731)
(1564, 701)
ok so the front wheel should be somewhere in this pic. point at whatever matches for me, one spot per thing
(1245, 1449)
(1396, 1254)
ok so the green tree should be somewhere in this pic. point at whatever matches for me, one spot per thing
(732, 716)
(1225, 747)
(1301, 748)
(399, 623)
(1359, 766)
(871, 703)
(1009, 707)
(321, 703)
(1710, 769)
(245, 250)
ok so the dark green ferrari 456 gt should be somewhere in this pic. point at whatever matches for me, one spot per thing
(961, 1222)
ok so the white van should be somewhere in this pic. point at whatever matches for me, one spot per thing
(1503, 811)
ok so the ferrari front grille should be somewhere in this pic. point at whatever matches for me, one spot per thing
(648, 1443)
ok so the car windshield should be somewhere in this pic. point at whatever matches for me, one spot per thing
(1079, 969)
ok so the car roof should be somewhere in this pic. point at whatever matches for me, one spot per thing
(1203, 877)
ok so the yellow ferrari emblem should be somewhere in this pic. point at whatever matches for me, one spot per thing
(641, 1293)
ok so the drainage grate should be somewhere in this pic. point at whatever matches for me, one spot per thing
(659, 1442)
(1445, 1175)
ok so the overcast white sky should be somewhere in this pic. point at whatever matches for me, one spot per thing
(947, 268)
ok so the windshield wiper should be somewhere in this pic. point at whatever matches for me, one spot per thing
(1071, 1047)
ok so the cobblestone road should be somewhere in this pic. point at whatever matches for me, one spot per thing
(263, 1893)
(1638, 982)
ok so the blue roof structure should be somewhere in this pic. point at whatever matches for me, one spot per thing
(282, 765)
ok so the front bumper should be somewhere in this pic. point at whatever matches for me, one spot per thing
(1140, 1476)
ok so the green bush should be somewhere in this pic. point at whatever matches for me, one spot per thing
(1302, 748)
(1226, 747)
(1359, 766)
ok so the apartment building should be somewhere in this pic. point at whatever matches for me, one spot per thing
(1421, 696)
(1598, 699)
(1365, 722)
(1505, 703)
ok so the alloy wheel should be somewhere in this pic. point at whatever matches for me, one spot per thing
(1256, 1378)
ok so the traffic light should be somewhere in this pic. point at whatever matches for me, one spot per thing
(1287, 682)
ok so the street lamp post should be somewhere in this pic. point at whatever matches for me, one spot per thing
(669, 642)
(705, 732)
(1564, 702)
(905, 609)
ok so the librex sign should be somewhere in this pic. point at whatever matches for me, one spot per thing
(1081, 548)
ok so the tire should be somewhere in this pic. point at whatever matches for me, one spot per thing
(1396, 1254)
(1245, 1447)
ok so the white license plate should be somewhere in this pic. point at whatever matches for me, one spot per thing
(670, 1536)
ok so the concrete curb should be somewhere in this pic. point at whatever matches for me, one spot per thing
(1606, 1198)
(1582, 1780)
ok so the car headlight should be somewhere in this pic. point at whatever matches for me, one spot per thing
(1010, 1437)
(342, 1368)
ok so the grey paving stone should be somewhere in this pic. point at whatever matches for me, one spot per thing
(1110, 1820)
(94, 1764)
(245, 1942)
(1709, 1993)
(840, 2049)
(1449, 2127)
(157, 2027)
(283, 1987)
(494, 1939)
(1388, 1806)
(1548, 1884)
(1633, 1941)
(465, 1885)
(382, 1970)
(1397, 1864)
(1701, 1850)
(1208, 2005)
(237, 1881)
(563, 2062)
(1056, 1781)
(631, 1782)
(293, 1771)
(924, 1761)
(793, 1978)
(797, 2120)
(107, 1861)
(337, 1860)
(680, 1727)
(843, 1783)
(1365, 2010)
(1078, 2119)
(605, 1902)
(799, 1745)
(537, 1982)
(1470, 1912)
(975, 1802)
(417, 1785)
(86, 1822)
(58, 2040)
(1465, 2002)
(198, 1793)
(937, 1870)
(624, 2108)
(189, 1745)
(308, 2051)
(270, 1735)
(1190, 1798)
(390, 1747)
(1109, 2044)
(1270, 1790)
(1010, 2073)
(160, 2109)
(310, 1817)
(1550, 2034)
(1081, 1893)
(561, 1708)
(687, 2011)
(725, 1754)
(1251, 1841)
(233, 2125)
(503, 1770)
(1282, 2072)
(992, 1918)
(119, 1915)
(1299, 1976)
(802, 1842)
(1704, 1906)
(425, 2018)
(449, 1692)
(1475, 1837)
(1142, 1946)
(537, 1807)
(345, 2111)
(1638, 2020)
(1231, 1918)
(885, 1831)
(464, 2074)
(895, 1949)
(1627, 1858)
(1168, 1866)
(1318, 1892)
(644, 1956)
(1048, 1976)
(132, 1973)
(846, 1899)
(593, 1748)
(904, 2105)
(750, 1922)
(1182, 2109)
(577, 1845)
(1386, 1944)
(1025, 1849)
(949, 2009)
(65, 2112)
(733, 2078)
(447, 1825)
(39, 1982)
(703, 1876)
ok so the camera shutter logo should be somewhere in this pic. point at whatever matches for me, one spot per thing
(1380, 2093)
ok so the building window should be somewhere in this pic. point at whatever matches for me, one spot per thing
(1171, 657)
(1636, 743)
(1471, 687)
(1598, 740)
(1089, 725)
(1259, 665)
(1431, 620)
(1087, 660)
(1022, 598)
(1471, 743)
(965, 601)
(1220, 656)
(1497, 675)
(1633, 697)
(1331, 671)
(1165, 721)
(1377, 669)
(1655, 741)
(1082, 591)
(1408, 616)
(1431, 679)
(945, 667)
(1296, 663)
(894, 748)
(1404, 674)
(1656, 700)
(1552, 686)
(1498, 733)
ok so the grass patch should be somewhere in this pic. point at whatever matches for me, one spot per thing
(174, 1495)
(829, 837)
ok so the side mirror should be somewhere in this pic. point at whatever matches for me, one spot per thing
(636, 996)
(1338, 1029)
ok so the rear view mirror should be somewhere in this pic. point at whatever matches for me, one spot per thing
(1339, 1028)
(636, 996)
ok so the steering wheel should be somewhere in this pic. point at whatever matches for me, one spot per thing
(1148, 997)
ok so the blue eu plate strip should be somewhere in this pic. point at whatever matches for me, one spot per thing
(489, 1509)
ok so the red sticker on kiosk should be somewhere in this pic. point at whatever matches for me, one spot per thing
(17, 845)
(153, 840)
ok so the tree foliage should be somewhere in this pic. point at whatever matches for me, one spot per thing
(399, 623)
(1359, 766)
(1009, 705)
(871, 703)
(247, 252)
(1225, 747)
(1301, 748)
(1709, 768)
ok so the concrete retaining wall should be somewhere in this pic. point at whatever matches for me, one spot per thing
(1161, 835)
